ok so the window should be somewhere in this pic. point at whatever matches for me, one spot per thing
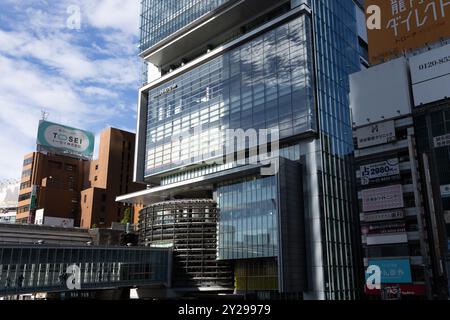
(71, 183)
(85, 198)
(23, 209)
(70, 167)
(247, 87)
(95, 178)
(25, 196)
(55, 165)
(25, 185)
(27, 162)
(26, 173)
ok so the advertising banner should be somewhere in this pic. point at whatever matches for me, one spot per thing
(393, 238)
(407, 25)
(393, 271)
(385, 198)
(386, 228)
(405, 290)
(380, 172)
(64, 140)
(445, 191)
(442, 141)
(376, 134)
(43, 220)
(384, 216)
(430, 75)
(9, 193)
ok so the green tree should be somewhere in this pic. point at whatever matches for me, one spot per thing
(126, 216)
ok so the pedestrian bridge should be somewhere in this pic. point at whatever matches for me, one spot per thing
(33, 269)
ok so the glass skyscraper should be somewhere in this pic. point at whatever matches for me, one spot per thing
(266, 64)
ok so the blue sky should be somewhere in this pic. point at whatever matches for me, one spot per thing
(86, 78)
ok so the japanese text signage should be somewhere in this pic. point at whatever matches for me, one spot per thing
(407, 25)
(60, 139)
(383, 198)
(380, 171)
(376, 134)
(442, 141)
(384, 216)
(393, 271)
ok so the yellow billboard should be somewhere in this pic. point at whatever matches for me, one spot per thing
(407, 25)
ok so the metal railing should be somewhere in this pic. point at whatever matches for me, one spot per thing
(32, 269)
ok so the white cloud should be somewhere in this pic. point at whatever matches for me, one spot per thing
(57, 52)
(115, 14)
(84, 78)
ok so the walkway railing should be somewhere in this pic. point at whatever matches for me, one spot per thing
(32, 269)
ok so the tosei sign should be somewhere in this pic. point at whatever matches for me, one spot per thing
(60, 139)
(407, 25)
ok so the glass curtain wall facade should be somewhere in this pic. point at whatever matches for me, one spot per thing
(248, 226)
(161, 18)
(264, 83)
(336, 57)
(292, 75)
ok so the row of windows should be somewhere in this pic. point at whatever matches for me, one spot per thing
(25, 185)
(23, 209)
(24, 197)
(263, 84)
(59, 166)
(26, 173)
(34, 268)
(161, 18)
(27, 162)
(248, 226)
(337, 57)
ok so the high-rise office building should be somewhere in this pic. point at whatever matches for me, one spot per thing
(216, 65)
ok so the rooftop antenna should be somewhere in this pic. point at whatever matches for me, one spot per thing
(44, 115)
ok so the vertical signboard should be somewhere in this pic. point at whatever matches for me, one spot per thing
(407, 25)
(33, 204)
